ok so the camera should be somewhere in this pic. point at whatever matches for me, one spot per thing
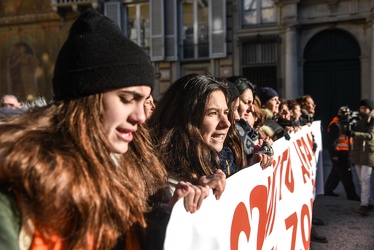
(347, 118)
(354, 117)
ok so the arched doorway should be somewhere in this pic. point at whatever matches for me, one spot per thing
(22, 64)
(332, 74)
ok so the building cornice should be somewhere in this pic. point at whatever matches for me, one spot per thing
(29, 18)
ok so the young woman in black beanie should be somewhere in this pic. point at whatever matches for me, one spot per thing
(79, 173)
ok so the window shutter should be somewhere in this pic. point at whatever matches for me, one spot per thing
(171, 38)
(217, 28)
(113, 11)
(157, 30)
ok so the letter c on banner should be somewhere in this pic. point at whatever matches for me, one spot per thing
(240, 223)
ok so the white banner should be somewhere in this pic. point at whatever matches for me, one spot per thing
(259, 209)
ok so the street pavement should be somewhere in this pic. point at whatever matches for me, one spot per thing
(344, 227)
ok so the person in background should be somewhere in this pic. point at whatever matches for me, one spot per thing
(257, 121)
(362, 152)
(295, 110)
(307, 109)
(270, 105)
(284, 117)
(250, 138)
(10, 107)
(149, 106)
(307, 112)
(307, 115)
(339, 146)
(229, 163)
(10, 101)
(79, 172)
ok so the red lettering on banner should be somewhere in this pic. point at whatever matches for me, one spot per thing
(286, 176)
(309, 138)
(240, 223)
(264, 199)
(272, 206)
(278, 164)
(272, 211)
(275, 172)
(305, 212)
(305, 156)
(291, 221)
(241, 220)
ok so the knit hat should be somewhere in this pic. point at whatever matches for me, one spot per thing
(368, 103)
(265, 94)
(97, 57)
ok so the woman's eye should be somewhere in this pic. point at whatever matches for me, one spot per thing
(124, 100)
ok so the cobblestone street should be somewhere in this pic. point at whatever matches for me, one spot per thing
(344, 227)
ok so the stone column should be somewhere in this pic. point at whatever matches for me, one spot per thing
(291, 65)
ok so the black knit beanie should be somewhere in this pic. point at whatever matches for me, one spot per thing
(265, 94)
(368, 103)
(97, 57)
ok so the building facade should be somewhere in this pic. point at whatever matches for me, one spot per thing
(317, 47)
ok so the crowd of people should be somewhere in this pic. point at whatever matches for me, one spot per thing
(351, 144)
(102, 165)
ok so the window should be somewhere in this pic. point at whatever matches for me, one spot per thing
(260, 60)
(133, 19)
(258, 12)
(188, 29)
(138, 29)
(195, 29)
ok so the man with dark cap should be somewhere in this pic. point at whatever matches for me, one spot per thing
(339, 145)
(362, 152)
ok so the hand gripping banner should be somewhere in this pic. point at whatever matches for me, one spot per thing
(259, 209)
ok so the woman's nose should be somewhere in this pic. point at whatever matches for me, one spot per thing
(138, 115)
(225, 121)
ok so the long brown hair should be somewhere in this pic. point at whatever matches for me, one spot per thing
(58, 160)
(175, 125)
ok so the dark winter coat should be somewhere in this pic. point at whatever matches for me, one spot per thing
(362, 149)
